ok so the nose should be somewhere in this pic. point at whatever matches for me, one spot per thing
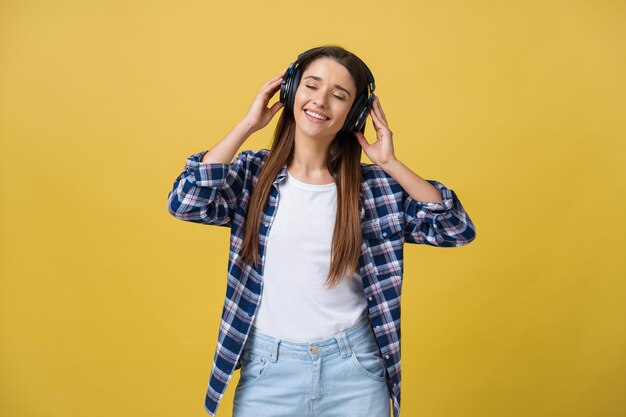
(320, 99)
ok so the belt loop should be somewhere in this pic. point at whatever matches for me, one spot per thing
(344, 345)
(274, 356)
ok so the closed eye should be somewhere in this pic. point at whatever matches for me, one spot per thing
(315, 88)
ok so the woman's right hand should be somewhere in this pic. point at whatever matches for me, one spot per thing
(259, 115)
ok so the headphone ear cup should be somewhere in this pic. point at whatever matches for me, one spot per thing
(293, 86)
(354, 114)
(284, 88)
(362, 117)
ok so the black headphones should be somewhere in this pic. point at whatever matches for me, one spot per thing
(360, 108)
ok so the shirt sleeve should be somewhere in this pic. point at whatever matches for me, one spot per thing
(438, 224)
(207, 192)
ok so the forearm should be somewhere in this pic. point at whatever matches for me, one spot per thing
(224, 151)
(417, 187)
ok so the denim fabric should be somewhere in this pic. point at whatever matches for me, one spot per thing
(343, 376)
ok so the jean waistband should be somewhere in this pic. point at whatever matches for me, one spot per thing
(340, 342)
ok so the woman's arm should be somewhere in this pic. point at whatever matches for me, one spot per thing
(413, 184)
(444, 223)
(226, 148)
(208, 192)
(210, 186)
(258, 116)
(433, 213)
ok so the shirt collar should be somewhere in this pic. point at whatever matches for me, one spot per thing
(282, 174)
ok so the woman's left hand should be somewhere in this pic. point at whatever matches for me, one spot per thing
(380, 152)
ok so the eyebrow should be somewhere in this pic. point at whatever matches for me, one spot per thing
(336, 85)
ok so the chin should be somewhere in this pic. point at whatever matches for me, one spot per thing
(313, 132)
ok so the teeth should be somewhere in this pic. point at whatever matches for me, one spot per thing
(317, 116)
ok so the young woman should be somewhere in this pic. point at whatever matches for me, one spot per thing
(311, 315)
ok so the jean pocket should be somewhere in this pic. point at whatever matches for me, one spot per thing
(254, 366)
(367, 359)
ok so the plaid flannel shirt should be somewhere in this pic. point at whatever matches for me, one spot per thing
(218, 194)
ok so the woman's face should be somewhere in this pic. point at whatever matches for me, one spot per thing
(326, 89)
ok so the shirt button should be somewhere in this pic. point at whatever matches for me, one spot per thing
(314, 350)
(377, 327)
(384, 233)
(363, 245)
(386, 356)
(369, 298)
(267, 224)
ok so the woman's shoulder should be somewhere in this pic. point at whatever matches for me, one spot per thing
(382, 195)
(253, 157)
(374, 174)
(262, 153)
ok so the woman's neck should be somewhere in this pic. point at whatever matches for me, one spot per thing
(309, 161)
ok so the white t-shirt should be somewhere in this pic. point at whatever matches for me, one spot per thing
(296, 305)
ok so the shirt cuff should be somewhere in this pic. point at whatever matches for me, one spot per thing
(206, 174)
(421, 209)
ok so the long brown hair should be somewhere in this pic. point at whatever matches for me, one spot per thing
(344, 164)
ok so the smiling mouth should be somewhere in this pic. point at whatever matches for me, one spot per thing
(315, 116)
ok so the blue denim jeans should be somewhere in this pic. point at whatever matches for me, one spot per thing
(343, 375)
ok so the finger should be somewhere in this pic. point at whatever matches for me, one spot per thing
(380, 108)
(271, 88)
(275, 85)
(362, 140)
(380, 124)
(374, 108)
(273, 80)
(376, 119)
(279, 76)
(379, 117)
(275, 107)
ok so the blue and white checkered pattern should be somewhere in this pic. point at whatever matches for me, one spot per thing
(219, 194)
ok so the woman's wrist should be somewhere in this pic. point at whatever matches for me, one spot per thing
(245, 127)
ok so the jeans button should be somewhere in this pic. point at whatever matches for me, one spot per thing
(314, 350)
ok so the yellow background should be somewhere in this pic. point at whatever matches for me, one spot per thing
(109, 306)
